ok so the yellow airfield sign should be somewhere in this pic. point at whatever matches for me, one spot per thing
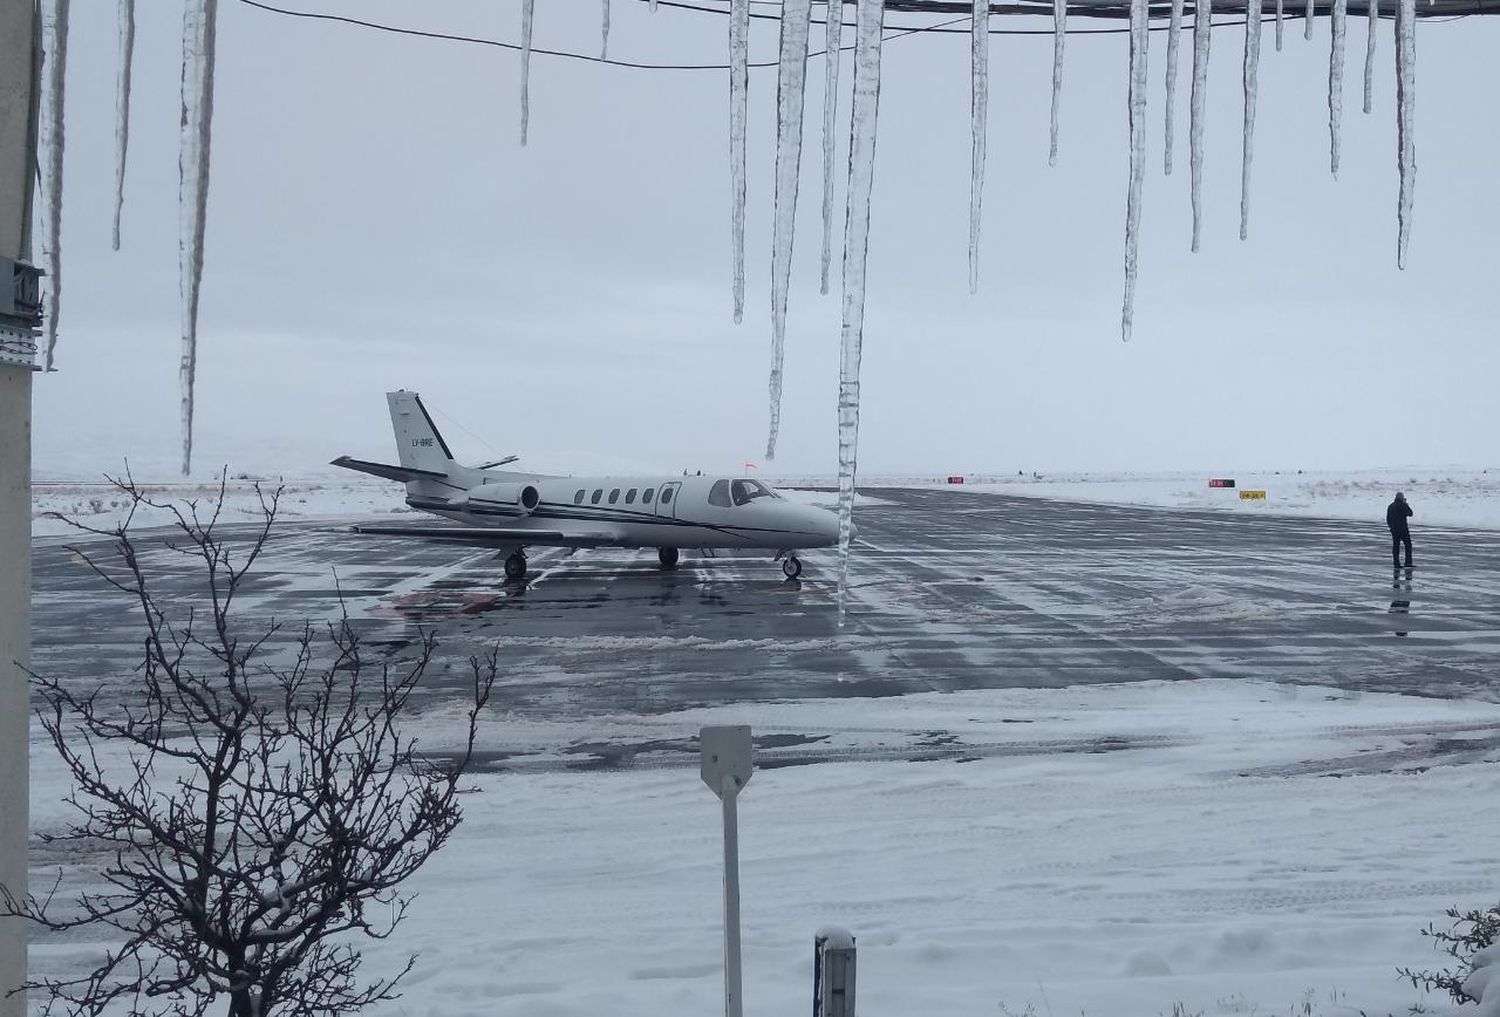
(1252, 496)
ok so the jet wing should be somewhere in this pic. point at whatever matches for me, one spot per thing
(492, 536)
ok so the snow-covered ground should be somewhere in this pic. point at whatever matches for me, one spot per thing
(1445, 497)
(1439, 496)
(1264, 849)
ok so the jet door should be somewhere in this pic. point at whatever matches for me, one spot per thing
(666, 500)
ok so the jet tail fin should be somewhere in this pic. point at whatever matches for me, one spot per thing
(418, 443)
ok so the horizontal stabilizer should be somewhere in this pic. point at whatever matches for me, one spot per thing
(403, 473)
(492, 536)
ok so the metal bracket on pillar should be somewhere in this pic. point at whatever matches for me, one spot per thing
(20, 312)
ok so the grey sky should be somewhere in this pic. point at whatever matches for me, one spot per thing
(374, 224)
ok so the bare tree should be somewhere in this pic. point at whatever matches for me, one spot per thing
(258, 806)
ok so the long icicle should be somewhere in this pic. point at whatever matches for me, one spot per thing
(1279, 5)
(1140, 35)
(1252, 74)
(1203, 21)
(199, 21)
(1371, 24)
(528, 12)
(796, 22)
(834, 27)
(1174, 32)
(869, 21)
(604, 33)
(1308, 21)
(122, 109)
(55, 57)
(1059, 42)
(1406, 98)
(739, 91)
(1339, 18)
(979, 101)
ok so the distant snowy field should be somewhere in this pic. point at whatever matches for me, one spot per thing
(1443, 497)
(1218, 869)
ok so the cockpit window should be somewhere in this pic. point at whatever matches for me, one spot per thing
(719, 494)
(745, 491)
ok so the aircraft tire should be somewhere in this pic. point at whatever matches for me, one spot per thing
(668, 557)
(791, 566)
(515, 566)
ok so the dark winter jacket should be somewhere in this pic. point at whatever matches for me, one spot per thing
(1396, 515)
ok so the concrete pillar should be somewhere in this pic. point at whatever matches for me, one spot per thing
(17, 148)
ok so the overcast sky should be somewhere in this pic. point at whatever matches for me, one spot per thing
(374, 224)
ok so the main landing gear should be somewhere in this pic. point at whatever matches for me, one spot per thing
(515, 566)
(668, 557)
(791, 565)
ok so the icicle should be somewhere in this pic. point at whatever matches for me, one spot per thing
(1140, 35)
(55, 55)
(604, 33)
(1203, 21)
(868, 23)
(199, 18)
(834, 25)
(1373, 21)
(528, 10)
(1406, 98)
(122, 109)
(1174, 30)
(1336, 82)
(1059, 38)
(1278, 25)
(739, 90)
(1252, 70)
(1308, 22)
(979, 100)
(796, 20)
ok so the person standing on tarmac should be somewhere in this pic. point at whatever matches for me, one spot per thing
(1396, 515)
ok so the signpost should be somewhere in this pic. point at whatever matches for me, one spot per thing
(1221, 482)
(955, 480)
(1252, 496)
(726, 768)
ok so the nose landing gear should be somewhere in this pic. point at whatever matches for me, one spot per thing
(791, 565)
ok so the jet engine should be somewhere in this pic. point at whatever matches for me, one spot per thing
(502, 499)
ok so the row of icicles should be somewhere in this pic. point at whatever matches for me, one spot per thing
(200, 17)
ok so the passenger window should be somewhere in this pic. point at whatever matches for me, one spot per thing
(630, 496)
(598, 493)
(646, 495)
(578, 498)
(614, 496)
(666, 495)
(719, 494)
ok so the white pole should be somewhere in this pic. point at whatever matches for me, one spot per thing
(17, 155)
(729, 794)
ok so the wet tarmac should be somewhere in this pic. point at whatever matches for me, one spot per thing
(948, 591)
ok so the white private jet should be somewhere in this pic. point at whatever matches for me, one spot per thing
(513, 511)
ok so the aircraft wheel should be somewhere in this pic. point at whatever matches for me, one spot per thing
(792, 566)
(515, 566)
(668, 557)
